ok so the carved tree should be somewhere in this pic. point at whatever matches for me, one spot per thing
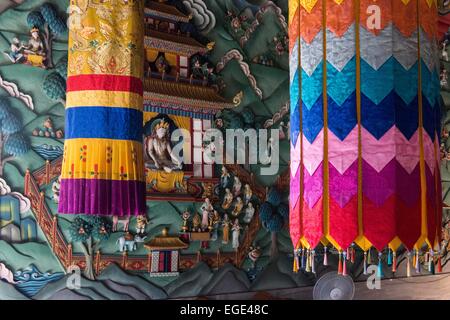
(89, 231)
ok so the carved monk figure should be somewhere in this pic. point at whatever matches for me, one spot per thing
(159, 149)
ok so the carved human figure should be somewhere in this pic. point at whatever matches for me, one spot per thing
(249, 213)
(248, 194)
(225, 178)
(228, 199)
(226, 224)
(237, 185)
(159, 150)
(207, 210)
(214, 223)
(238, 207)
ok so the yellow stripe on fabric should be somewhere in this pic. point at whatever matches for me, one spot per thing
(100, 98)
(103, 159)
(423, 182)
(293, 6)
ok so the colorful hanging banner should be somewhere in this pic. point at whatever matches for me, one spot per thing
(103, 170)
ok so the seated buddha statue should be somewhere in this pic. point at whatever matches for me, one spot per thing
(159, 150)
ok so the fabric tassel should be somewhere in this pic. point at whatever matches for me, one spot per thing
(325, 256)
(295, 267)
(308, 262)
(348, 254)
(394, 262)
(340, 263)
(344, 263)
(431, 263)
(380, 267)
(426, 257)
(389, 258)
(369, 258)
(365, 263)
(429, 260)
(313, 264)
(439, 266)
(408, 264)
(353, 251)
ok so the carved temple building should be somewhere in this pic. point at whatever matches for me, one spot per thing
(179, 93)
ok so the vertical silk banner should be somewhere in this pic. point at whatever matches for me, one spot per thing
(102, 171)
(364, 123)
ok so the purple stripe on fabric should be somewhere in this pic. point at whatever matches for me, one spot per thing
(343, 187)
(313, 186)
(102, 197)
(408, 185)
(379, 186)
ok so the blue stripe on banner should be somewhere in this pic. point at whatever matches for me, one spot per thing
(104, 123)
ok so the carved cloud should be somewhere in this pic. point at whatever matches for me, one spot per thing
(202, 17)
(5, 189)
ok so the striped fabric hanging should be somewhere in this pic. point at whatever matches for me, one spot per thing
(364, 123)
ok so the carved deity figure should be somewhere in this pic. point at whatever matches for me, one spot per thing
(248, 194)
(15, 55)
(159, 149)
(35, 44)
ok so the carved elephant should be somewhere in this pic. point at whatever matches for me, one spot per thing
(126, 245)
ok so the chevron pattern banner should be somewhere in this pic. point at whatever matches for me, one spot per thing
(364, 123)
(103, 169)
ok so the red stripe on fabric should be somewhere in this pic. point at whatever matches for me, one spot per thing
(344, 222)
(409, 223)
(105, 82)
(312, 222)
